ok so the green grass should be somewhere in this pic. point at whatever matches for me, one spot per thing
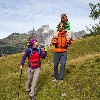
(81, 79)
(81, 47)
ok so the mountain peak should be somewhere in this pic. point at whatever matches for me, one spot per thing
(45, 28)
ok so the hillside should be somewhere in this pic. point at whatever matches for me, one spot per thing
(81, 80)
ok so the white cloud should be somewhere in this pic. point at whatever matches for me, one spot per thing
(80, 23)
(22, 15)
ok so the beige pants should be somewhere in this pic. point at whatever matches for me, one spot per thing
(32, 79)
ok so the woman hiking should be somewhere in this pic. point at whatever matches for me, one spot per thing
(33, 53)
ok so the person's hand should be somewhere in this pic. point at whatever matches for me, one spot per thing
(45, 50)
(21, 67)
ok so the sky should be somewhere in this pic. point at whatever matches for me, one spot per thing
(22, 15)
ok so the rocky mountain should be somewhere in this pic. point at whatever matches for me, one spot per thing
(18, 41)
(14, 38)
(78, 35)
(3, 43)
(42, 34)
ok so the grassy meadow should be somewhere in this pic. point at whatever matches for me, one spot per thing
(81, 79)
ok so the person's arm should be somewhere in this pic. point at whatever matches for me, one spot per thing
(53, 41)
(26, 54)
(67, 27)
(71, 41)
(43, 54)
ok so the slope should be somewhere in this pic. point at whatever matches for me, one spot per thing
(81, 80)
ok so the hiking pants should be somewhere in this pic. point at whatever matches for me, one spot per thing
(62, 57)
(32, 79)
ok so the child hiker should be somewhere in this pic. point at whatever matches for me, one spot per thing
(60, 52)
(33, 53)
(65, 21)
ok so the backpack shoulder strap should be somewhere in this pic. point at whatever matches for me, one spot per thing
(30, 51)
(39, 50)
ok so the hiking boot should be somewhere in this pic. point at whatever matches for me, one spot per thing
(54, 80)
(61, 81)
(27, 93)
(33, 98)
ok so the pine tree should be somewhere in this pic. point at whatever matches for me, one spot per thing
(95, 15)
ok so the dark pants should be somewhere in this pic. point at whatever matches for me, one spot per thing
(62, 57)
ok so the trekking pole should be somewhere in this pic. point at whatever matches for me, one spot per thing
(20, 82)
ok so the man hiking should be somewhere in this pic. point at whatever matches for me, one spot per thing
(60, 51)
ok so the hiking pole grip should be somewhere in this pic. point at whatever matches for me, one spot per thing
(20, 74)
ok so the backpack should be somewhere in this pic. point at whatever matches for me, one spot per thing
(34, 59)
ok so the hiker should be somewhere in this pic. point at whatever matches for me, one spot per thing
(33, 53)
(60, 52)
(65, 21)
